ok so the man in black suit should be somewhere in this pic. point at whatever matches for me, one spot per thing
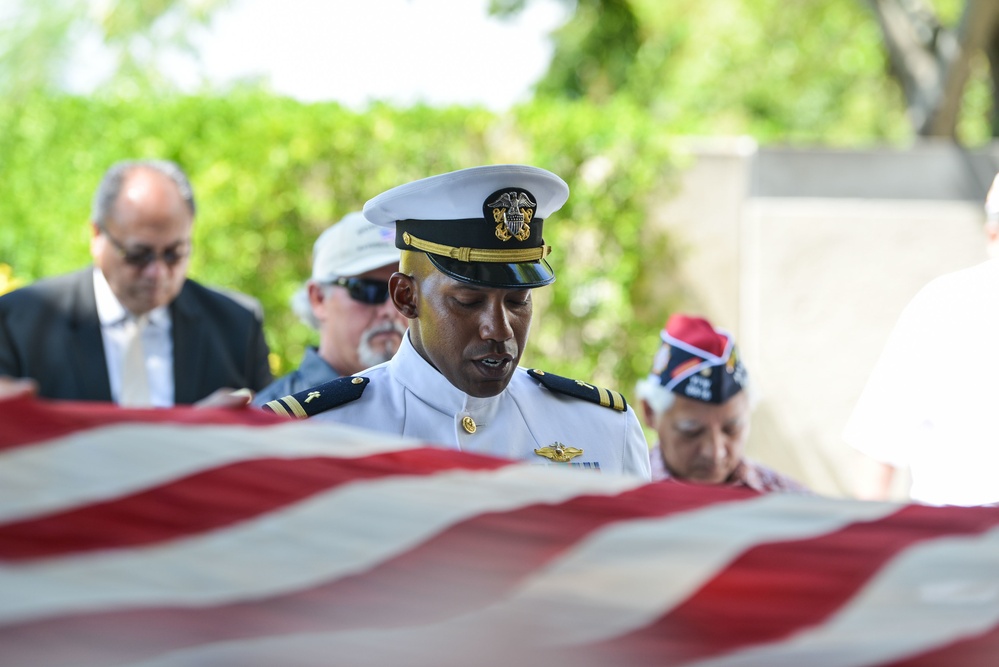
(133, 328)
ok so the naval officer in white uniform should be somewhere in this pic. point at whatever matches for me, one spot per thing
(472, 252)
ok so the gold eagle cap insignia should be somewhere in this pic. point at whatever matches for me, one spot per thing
(558, 452)
(513, 212)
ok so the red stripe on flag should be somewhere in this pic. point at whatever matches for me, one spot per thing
(981, 650)
(29, 420)
(462, 569)
(776, 589)
(213, 499)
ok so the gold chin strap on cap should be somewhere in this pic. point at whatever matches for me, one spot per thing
(476, 254)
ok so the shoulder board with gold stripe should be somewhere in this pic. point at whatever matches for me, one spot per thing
(320, 398)
(579, 389)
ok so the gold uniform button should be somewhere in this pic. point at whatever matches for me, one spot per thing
(468, 424)
(357, 381)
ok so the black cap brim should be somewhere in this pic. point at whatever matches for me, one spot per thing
(520, 275)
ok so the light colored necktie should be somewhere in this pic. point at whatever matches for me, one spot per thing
(134, 378)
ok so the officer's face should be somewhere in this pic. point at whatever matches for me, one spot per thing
(703, 442)
(473, 335)
(144, 250)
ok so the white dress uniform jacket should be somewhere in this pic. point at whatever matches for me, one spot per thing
(409, 397)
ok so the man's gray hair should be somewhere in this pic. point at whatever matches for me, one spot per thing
(301, 305)
(659, 398)
(114, 178)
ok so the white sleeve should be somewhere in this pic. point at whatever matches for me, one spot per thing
(896, 407)
(635, 458)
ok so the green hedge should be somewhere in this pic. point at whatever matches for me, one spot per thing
(271, 173)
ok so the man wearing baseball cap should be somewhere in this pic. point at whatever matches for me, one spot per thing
(697, 399)
(472, 251)
(346, 300)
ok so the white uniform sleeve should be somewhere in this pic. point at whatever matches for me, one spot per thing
(895, 409)
(635, 458)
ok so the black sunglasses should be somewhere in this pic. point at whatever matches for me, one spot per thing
(365, 290)
(142, 257)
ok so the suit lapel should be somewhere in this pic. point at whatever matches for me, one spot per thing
(89, 365)
(189, 345)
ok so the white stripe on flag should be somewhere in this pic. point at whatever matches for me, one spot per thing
(109, 462)
(411, 647)
(626, 575)
(675, 555)
(930, 595)
(615, 581)
(294, 548)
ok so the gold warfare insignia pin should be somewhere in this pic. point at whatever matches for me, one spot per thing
(558, 452)
(512, 211)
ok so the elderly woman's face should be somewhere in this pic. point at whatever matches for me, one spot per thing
(703, 442)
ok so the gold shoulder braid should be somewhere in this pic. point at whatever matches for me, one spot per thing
(608, 398)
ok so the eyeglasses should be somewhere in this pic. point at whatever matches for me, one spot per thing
(142, 256)
(365, 290)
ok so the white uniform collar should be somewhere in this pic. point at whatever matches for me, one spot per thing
(414, 372)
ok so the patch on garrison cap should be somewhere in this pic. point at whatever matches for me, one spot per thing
(579, 389)
(309, 402)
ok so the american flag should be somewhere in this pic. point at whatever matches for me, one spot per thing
(213, 537)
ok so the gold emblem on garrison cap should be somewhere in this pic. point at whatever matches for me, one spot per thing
(733, 360)
(512, 211)
(558, 452)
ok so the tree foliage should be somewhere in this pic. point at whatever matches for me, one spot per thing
(942, 68)
(271, 173)
(38, 39)
(805, 72)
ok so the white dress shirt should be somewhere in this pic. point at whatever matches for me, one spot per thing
(409, 397)
(931, 402)
(157, 344)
